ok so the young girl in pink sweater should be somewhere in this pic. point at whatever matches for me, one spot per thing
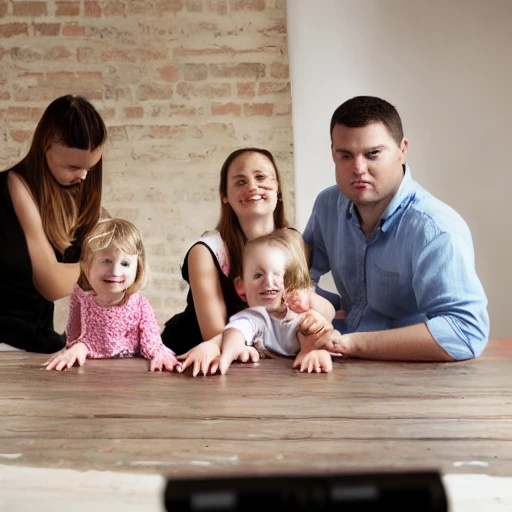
(108, 316)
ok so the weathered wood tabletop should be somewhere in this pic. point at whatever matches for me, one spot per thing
(260, 419)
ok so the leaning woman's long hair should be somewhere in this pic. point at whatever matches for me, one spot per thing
(228, 226)
(67, 213)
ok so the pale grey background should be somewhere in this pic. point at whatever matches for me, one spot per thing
(447, 67)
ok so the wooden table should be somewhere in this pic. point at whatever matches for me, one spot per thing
(114, 415)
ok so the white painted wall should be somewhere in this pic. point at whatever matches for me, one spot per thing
(447, 67)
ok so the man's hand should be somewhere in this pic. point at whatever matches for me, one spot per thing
(65, 359)
(204, 357)
(334, 342)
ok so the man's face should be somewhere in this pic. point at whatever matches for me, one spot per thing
(368, 164)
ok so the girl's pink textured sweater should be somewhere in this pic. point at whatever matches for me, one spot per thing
(130, 329)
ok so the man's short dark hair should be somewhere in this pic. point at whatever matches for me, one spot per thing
(364, 110)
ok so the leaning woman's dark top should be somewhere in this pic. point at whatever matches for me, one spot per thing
(26, 317)
(182, 332)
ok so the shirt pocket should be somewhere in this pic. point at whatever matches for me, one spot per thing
(383, 289)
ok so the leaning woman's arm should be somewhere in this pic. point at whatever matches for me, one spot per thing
(53, 280)
(209, 301)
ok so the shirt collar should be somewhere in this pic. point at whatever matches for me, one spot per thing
(400, 200)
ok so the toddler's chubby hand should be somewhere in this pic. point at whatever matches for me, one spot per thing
(297, 300)
(67, 358)
(165, 360)
(314, 361)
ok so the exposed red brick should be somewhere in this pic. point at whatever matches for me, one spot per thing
(3, 8)
(114, 9)
(222, 109)
(258, 109)
(134, 112)
(13, 29)
(32, 77)
(143, 8)
(67, 8)
(245, 90)
(240, 70)
(23, 113)
(92, 9)
(154, 92)
(112, 92)
(279, 70)
(170, 73)
(218, 6)
(30, 9)
(21, 135)
(273, 88)
(73, 30)
(194, 5)
(188, 90)
(166, 6)
(195, 72)
(282, 109)
(247, 5)
(47, 29)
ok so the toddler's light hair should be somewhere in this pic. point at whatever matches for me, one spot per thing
(120, 234)
(296, 272)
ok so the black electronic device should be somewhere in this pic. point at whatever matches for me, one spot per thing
(396, 492)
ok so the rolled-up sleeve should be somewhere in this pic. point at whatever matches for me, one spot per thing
(448, 289)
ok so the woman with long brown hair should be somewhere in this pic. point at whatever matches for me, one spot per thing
(251, 206)
(49, 201)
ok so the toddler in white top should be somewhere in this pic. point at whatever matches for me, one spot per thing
(275, 283)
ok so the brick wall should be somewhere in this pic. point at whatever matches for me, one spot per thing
(180, 84)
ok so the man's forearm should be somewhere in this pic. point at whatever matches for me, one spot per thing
(412, 343)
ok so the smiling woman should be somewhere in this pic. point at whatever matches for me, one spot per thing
(251, 206)
(48, 202)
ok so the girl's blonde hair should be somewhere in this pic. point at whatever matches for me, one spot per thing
(67, 213)
(122, 235)
(296, 272)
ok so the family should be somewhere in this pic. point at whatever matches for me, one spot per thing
(402, 261)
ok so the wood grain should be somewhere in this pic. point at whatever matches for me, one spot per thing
(258, 419)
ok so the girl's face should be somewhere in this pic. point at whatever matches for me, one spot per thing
(251, 185)
(263, 279)
(69, 166)
(112, 271)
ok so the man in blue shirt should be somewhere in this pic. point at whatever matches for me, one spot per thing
(402, 261)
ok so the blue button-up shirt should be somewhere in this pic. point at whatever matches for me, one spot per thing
(417, 266)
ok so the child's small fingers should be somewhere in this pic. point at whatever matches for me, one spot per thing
(214, 367)
(60, 365)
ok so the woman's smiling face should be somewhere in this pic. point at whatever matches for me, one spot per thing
(251, 185)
